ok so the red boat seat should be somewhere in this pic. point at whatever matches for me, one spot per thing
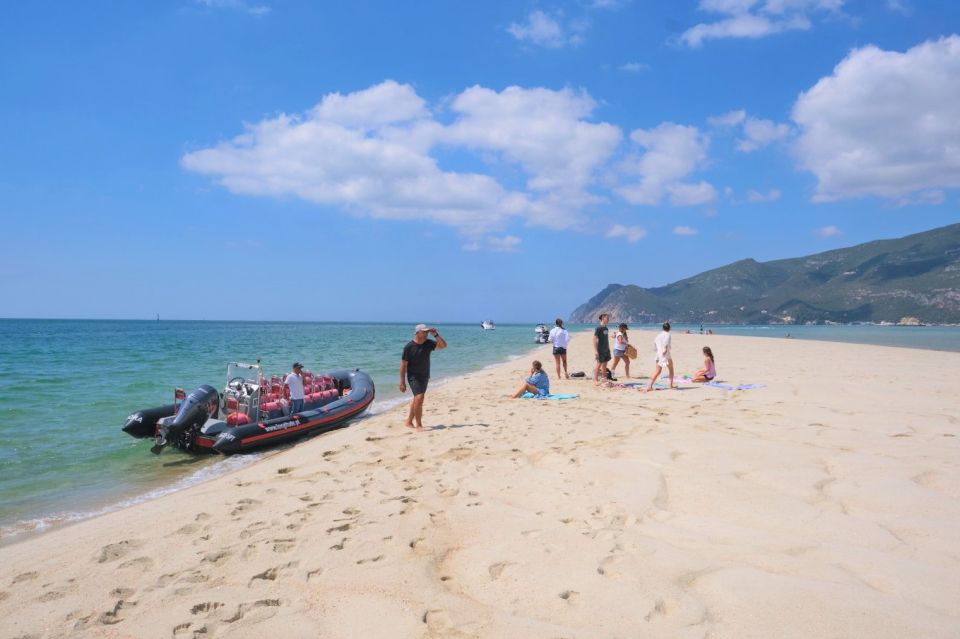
(237, 419)
(231, 403)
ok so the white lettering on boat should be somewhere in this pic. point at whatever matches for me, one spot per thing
(281, 426)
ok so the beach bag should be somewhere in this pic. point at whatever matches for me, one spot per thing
(631, 352)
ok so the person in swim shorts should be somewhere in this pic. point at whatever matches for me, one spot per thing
(559, 337)
(415, 370)
(601, 349)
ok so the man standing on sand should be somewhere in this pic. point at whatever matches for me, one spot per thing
(294, 382)
(601, 349)
(664, 358)
(415, 370)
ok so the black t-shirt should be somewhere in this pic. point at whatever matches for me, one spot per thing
(603, 343)
(417, 357)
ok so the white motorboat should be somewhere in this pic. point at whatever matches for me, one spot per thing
(542, 335)
(488, 325)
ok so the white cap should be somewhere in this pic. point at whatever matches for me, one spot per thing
(422, 327)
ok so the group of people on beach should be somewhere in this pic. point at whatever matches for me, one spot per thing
(415, 362)
(623, 350)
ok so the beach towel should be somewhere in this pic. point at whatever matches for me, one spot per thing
(532, 396)
(734, 387)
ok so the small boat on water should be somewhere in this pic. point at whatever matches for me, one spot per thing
(488, 325)
(541, 334)
(253, 411)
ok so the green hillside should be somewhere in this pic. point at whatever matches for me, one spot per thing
(887, 280)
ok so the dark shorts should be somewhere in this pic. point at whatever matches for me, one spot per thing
(559, 350)
(603, 358)
(417, 386)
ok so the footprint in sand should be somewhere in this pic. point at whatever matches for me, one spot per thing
(217, 557)
(659, 610)
(51, 595)
(496, 570)
(25, 576)
(570, 596)
(271, 574)
(244, 505)
(206, 606)
(284, 545)
(138, 562)
(259, 610)
(112, 552)
(286, 470)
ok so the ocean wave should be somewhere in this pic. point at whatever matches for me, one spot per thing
(10, 532)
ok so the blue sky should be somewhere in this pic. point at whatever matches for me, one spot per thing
(452, 161)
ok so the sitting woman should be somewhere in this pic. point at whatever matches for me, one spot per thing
(538, 383)
(709, 370)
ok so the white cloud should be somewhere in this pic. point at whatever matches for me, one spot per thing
(923, 198)
(759, 133)
(543, 131)
(684, 230)
(672, 153)
(755, 19)
(755, 197)
(546, 31)
(756, 132)
(728, 119)
(634, 67)
(687, 194)
(236, 5)
(884, 123)
(372, 153)
(630, 233)
(899, 6)
(828, 231)
(505, 244)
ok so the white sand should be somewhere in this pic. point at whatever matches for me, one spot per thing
(824, 505)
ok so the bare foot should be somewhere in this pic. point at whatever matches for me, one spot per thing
(408, 425)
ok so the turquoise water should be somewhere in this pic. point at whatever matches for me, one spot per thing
(937, 338)
(66, 387)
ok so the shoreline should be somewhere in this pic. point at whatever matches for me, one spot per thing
(825, 504)
(28, 528)
(45, 524)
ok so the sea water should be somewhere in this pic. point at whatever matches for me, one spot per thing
(67, 386)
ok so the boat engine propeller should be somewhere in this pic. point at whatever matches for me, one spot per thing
(199, 405)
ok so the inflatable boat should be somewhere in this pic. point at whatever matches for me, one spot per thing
(253, 411)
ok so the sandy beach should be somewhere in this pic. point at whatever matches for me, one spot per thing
(826, 504)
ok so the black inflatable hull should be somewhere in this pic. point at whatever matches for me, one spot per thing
(271, 432)
(143, 423)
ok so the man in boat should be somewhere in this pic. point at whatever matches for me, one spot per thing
(294, 382)
(415, 369)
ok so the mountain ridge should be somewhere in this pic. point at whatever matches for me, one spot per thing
(916, 276)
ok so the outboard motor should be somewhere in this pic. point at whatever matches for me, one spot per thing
(143, 423)
(194, 411)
